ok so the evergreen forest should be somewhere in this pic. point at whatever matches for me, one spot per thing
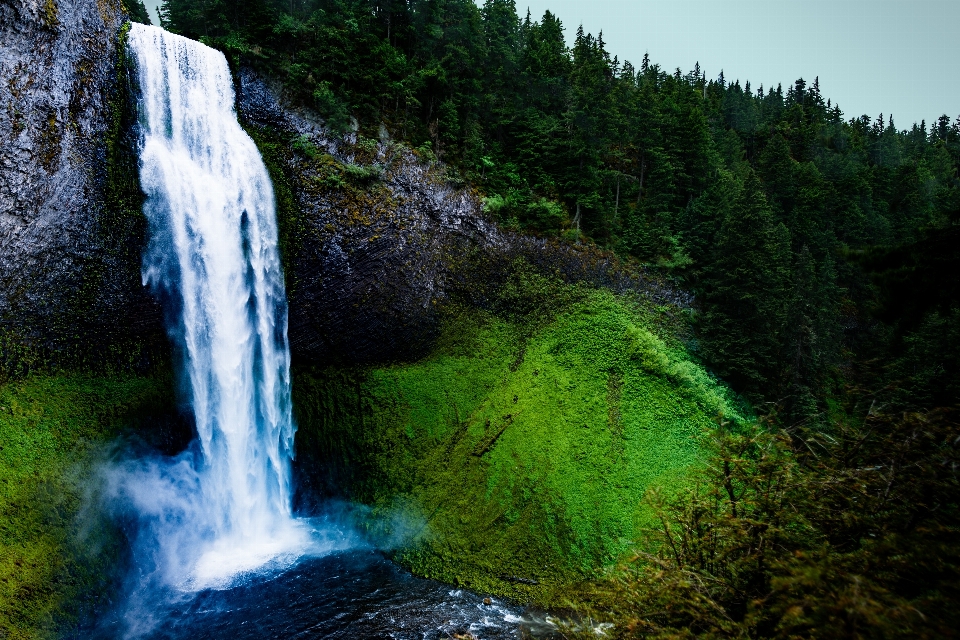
(814, 242)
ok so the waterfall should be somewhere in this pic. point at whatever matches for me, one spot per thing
(225, 507)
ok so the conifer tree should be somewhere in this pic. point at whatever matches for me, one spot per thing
(746, 295)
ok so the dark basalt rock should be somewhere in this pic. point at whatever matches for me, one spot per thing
(372, 261)
(70, 290)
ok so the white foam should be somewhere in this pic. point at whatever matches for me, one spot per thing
(213, 254)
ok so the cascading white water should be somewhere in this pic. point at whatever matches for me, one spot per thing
(213, 256)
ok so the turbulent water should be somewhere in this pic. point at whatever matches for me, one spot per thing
(350, 595)
(222, 509)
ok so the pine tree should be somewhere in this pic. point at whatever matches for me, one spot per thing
(776, 167)
(746, 295)
(587, 118)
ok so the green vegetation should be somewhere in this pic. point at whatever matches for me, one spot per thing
(513, 459)
(51, 430)
(560, 428)
(665, 167)
(821, 249)
(846, 535)
(137, 11)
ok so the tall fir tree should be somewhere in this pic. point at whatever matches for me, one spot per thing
(746, 294)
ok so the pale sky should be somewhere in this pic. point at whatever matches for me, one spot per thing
(872, 56)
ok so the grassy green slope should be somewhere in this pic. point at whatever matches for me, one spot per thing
(49, 427)
(515, 459)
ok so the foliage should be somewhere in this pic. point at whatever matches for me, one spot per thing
(746, 292)
(511, 459)
(573, 142)
(790, 535)
(137, 11)
(914, 355)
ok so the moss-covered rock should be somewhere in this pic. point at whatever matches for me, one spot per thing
(515, 457)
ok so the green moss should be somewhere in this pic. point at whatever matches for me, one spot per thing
(17, 355)
(515, 460)
(50, 429)
(50, 14)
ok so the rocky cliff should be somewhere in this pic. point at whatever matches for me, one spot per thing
(70, 227)
(377, 236)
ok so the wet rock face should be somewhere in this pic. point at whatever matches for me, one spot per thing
(368, 256)
(379, 238)
(64, 266)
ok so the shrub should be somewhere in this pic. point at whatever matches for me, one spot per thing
(846, 534)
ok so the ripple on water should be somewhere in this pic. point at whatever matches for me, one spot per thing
(353, 594)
